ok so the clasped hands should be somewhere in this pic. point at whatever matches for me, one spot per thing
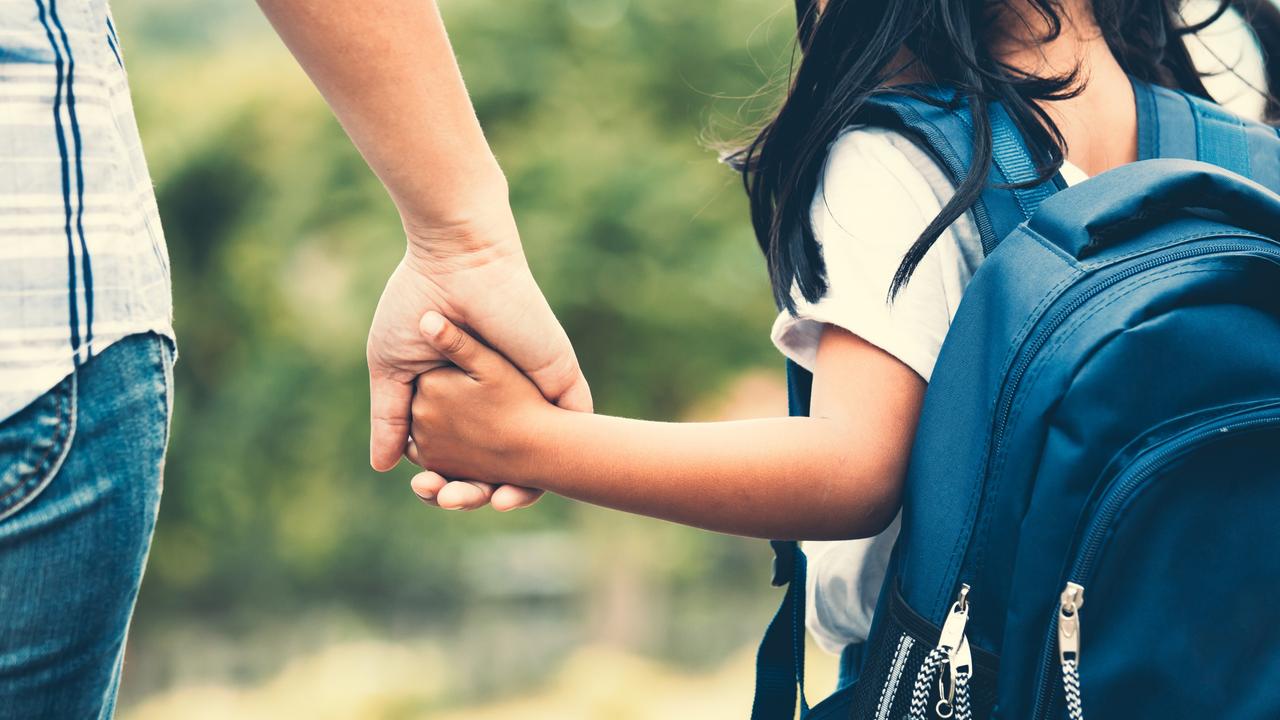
(474, 273)
(475, 422)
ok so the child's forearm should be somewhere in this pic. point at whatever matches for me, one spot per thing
(835, 475)
(796, 478)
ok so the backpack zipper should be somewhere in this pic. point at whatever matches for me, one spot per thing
(950, 639)
(1114, 499)
(1069, 623)
(953, 627)
(927, 633)
(1069, 647)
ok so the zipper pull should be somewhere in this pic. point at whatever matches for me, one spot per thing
(1069, 623)
(961, 672)
(953, 627)
(951, 643)
(1069, 648)
(954, 699)
(962, 661)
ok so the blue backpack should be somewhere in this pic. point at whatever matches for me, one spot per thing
(1091, 516)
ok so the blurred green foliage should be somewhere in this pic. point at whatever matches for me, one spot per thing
(599, 111)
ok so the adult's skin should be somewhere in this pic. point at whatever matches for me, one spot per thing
(388, 71)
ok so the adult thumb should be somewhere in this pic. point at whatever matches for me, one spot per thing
(389, 401)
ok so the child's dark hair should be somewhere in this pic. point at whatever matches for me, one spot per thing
(850, 51)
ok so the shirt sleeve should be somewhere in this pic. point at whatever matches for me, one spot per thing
(874, 199)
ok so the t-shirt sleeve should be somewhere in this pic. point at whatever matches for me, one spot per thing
(874, 199)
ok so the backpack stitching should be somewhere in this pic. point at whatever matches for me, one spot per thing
(1202, 235)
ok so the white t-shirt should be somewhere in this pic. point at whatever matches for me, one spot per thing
(877, 193)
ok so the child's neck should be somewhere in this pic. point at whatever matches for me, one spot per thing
(1106, 100)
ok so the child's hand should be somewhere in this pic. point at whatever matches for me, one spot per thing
(476, 419)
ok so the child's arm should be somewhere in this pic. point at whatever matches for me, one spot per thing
(835, 475)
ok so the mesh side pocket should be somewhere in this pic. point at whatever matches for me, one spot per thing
(895, 654)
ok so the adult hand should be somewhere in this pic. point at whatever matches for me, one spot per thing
(475, 274)
(386, 69)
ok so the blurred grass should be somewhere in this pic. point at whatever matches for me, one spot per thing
(389, 681)
(287, 579)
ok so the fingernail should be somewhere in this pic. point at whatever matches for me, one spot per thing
(432, 322)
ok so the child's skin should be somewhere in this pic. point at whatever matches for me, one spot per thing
(835, 475)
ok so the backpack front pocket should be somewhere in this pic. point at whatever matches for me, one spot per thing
(1168, 606)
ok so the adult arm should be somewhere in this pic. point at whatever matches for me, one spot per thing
(388, 72)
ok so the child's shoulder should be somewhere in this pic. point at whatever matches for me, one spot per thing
(878, 179)
(878, 192)
(868, 157)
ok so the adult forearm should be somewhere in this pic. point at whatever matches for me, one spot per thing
(388, 71)
(799, 478)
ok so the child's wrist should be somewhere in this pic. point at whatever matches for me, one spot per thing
(536, 445)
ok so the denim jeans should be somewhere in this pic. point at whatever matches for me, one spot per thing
(80, 482)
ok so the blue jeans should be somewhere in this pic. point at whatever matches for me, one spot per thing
(80, 482)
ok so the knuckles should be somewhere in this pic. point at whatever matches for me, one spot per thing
(456, 343)
(439, 383)
(421, 409)
(437, 395)
(421, 385)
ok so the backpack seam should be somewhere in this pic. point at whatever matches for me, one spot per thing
(1092, 265)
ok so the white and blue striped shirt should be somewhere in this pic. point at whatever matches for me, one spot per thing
(82, 254)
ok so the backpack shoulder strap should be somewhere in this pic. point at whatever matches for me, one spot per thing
(942, 125)
(1176, 124)
(780, 658)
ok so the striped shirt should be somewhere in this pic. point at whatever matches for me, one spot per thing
(82, 255)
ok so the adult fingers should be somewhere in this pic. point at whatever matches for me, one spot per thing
(513, 497)
(464, 495)
(578, 396)
(426, 485)
(388, 420)
(542, 351)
